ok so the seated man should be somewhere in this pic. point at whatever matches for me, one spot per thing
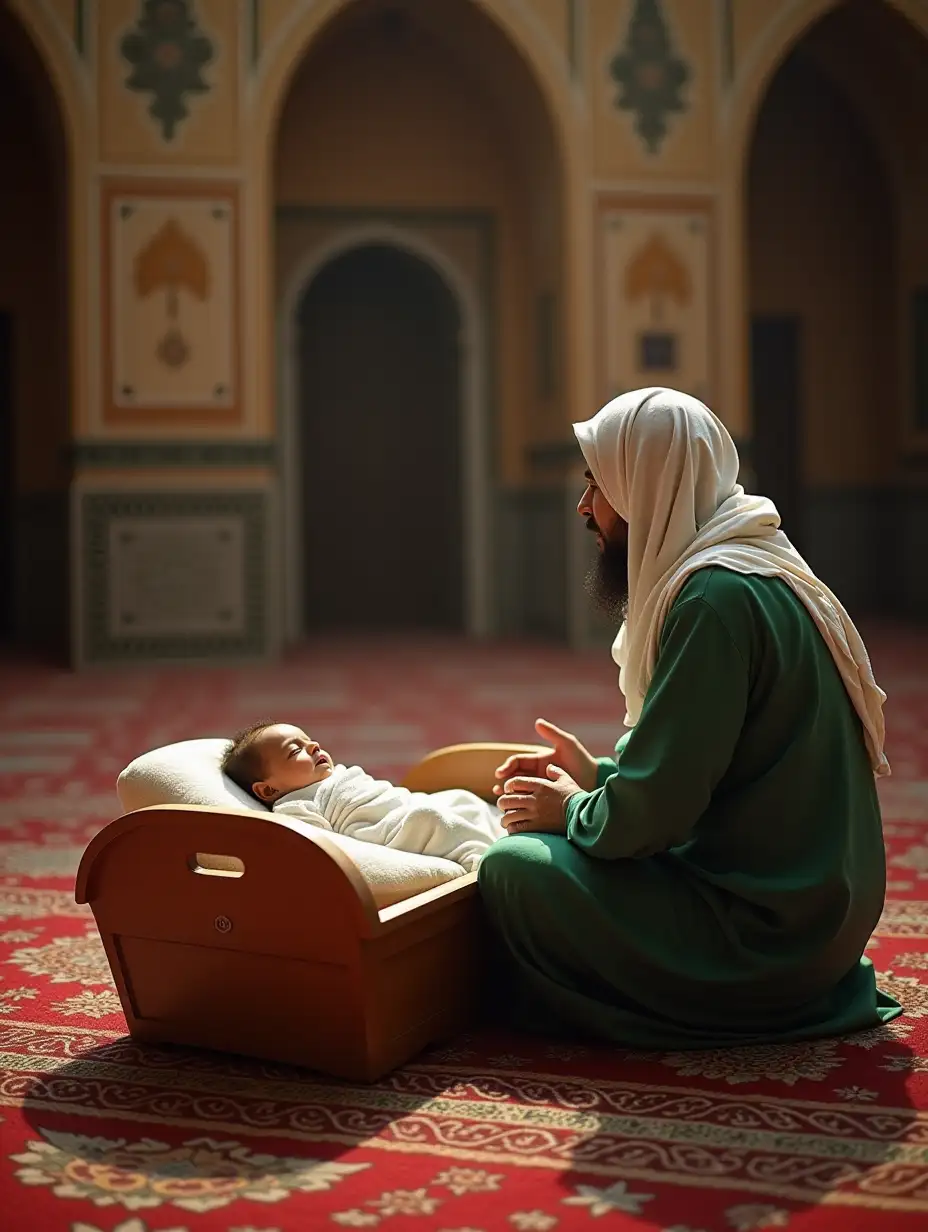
(292, 774)
(717, 881)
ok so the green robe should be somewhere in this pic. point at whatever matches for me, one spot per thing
(721, 882)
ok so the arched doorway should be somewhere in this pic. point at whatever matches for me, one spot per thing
(380, 444)
(425, 123)
(34, 360)
(829, 185)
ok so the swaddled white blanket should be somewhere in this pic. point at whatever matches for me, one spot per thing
(456, 824)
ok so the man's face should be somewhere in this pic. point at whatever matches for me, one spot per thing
(607, 580)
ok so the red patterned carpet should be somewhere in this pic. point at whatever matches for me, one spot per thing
(490, 1134)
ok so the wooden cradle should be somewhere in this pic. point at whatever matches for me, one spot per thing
(275, 947)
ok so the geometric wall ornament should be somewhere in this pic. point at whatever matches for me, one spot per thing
(174, 575)
(110, 452)
(170, 304)
(655, 270)
(650, 77)
(167, 53)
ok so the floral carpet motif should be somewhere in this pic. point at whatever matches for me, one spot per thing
(491, 1133)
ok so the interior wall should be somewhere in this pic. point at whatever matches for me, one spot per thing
(462, 123)
(879, 60)
(33, 273)
(822, 247)
(391, 113)
(835, 204)
(34, 291)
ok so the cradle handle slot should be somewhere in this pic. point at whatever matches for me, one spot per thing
(210, 865)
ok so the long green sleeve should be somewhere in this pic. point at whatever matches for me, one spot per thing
(605, 769)
(678, 751)
(607, 766)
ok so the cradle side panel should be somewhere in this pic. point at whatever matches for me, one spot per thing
(284, 962)
(266, 963)
(290, 898)
(261, 1005)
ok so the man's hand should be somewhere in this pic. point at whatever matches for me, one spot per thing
(535, 805)
(568, 753)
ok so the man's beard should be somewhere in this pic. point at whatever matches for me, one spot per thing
(607, 581)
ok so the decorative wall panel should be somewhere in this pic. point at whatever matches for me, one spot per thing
(656, 305)
(170, 301)
(174, 575)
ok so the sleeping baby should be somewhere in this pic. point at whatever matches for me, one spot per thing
(288, 771)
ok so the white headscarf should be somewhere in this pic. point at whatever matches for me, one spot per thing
(669, 468)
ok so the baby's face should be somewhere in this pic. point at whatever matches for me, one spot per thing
(290, 759)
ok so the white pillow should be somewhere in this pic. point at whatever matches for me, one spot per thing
(188, 773)
(185, 773)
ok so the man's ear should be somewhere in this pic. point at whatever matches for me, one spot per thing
(265, 791)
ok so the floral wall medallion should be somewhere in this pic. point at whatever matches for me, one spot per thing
(650, 77)
(658, 275)
(168, 52)
(169, 262)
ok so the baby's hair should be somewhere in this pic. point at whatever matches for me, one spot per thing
(242, 760)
